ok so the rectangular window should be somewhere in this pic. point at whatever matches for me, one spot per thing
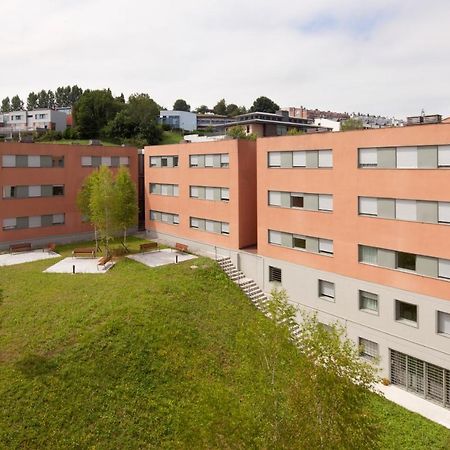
(299, 159)
(9, 161)
(444, 156)
(299, 242)
(368, 349)
(297, 201)
(224, 160)
(274, 237)
(209, 193)
(325, 202)
(194, 191)
(368, 206)
(57, 190)
(106, 161)
(209, 160)
(274, 198)
(406, 261)
(34, 161)
(326, 290)
(325, 158)
(368, 301)
(225, 228)
(164, 162)
(193, 161)
(326, 246)
(406, 210)
(443, 323)
(34, 191)
(368, 255)
(124, 161)
(274, 159)
(194, 222)
(444, 269)
(406, 312)
(86, 161)
(58, 219)
(154, 161)
(209, 226)
(444, 212)
(224, 194)
(9, 224)
(35, 221)
(407, 157)
(274, 274)
(368, 157)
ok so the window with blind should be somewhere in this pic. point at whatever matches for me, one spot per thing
(368, 301)
(368, 157)
(443, 323)
(368, 255)
(368, 206)
(368, 349)
(405, 312)
(326, 290)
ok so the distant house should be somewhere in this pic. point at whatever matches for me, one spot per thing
(183, 120)
(268, 124)
(333, 124)
(205, 121)
(35, 120)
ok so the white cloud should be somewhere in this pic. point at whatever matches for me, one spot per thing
(372, 56)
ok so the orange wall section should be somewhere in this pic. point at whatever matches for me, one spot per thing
(239, 177)
(346, 182)
(71, 176)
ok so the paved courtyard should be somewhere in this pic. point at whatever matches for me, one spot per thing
(79, 265)
(7, 259)
(161, 257)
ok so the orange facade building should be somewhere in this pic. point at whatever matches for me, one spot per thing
(39, 186)
(354, 225)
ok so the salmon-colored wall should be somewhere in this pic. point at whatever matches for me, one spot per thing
(346, 182)
(71, 176)
(187, 207)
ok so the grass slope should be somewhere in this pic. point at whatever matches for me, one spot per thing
(142, 358)
(170, 137)
(77, 141)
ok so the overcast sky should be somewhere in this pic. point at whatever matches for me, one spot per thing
(382, 57)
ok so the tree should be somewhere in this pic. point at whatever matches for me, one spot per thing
(238, 132)
(51, 99)
(93, 111)
(31, 101)
(319, 393)
(232, 110)
(264, 104)
(220, 108)
(294, 132)
(203, 109)
(42, 99)
(74, 94)
(351, 124)
(16, 103)
(125, 202)
(121, 98)
(6, 105)
(181, 105)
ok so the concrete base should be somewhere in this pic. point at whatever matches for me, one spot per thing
(161, 257)
(25, 257)
(82, 265)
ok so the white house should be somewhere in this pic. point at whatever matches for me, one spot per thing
(179, 119)
(38, 119)
(328, 123)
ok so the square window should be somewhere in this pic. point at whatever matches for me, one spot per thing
(154, 160)
(274, 198)
(58, 190)
(368, 301)
(326, 290)
(406, 261)
(368, 349)
(444, 323)
(299, 242)
(326, 246)
(368, 157)
(297, 201)
(274, 159)
(274, 237)
(274, 274)
(405, 312)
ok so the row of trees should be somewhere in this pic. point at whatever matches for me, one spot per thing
(261, 104)
(109, 203)
(63, 96)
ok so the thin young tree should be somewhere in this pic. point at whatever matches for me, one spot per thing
(125, 202)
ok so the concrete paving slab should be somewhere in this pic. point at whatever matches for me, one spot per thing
(414, 403)
(7, 259)
(82, 265)
(161, 257)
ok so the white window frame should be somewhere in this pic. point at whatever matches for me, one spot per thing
(274, 159)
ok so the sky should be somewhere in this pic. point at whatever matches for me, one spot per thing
(380, 57)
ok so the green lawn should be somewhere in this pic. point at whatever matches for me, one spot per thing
(143, 358)
(170, 137)
(78, 141)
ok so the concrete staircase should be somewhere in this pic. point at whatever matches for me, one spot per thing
(252, 290)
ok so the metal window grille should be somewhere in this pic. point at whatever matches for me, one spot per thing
(274, 274)
(420, 377)
(368, 349)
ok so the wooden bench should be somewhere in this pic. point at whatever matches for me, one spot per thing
(148, 246)
(17, 248)
(183, 248)
(103, 261)
(89, 251)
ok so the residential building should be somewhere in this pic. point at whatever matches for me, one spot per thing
(39, 185)
(267, 124)
(209, 120)
(202, 194)
(182, 120)
(354, 225)
(334, 125)
(35, 120)
(301, 113)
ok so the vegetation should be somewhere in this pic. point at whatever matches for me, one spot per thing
(238, 132)
(171, 137)
(264, 104)
(181, 105)
(170, 357)
(295, 132)
(351, 124)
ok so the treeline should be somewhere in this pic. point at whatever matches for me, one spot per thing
(63, 96)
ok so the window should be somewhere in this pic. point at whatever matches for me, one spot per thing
(299, 159)
(193, 160)
(34, 191)
(225, 160)
(209, 160)
(443, 323)
(297, 201)
(86, 161)
(209, 193)
(405, 210)
(368, 301)
(444, 269)
(225, 228)
(106, 161)
(326, 246)
(406, 261)
(325, 202)
(274, 159)
(164, 162)
(325, 158)
(274, 274)
(326, 290)
(9, 224)
(274, 237)
(407, 157)
(444, 156)
(194, 222)
(209, 226)
(58, 190)
(224, 194)
(444, 212)
(368, 206)
(368, 157)
(299, 242)
(274, 198)
(405, 312)
(154, 161)
(368, 255)
(194, 191)
(170, 218)
(368, 349)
